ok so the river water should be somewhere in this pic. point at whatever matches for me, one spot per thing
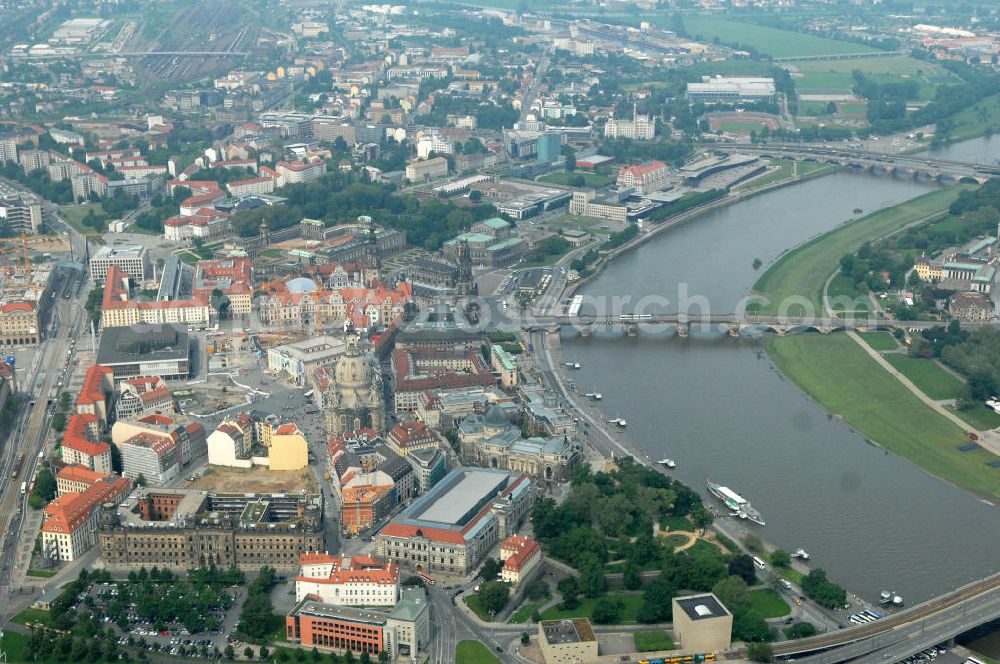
(720, 409)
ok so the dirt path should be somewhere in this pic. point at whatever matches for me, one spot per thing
(692, 538)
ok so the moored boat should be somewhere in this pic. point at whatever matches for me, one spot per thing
(736, 503)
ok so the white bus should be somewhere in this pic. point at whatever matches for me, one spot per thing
(24, 487)
(759, 562)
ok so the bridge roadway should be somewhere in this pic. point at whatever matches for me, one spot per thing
(861, 157)
(734, 324)
(905, 633)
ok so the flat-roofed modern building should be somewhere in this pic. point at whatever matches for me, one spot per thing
(133, 260)
(567, 641)
(455, 524)
(402, 631)
(702, 623)
(148, 350)
(731, 89)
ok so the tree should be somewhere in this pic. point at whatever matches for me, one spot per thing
(743, 567)
(733, 594)
(823, 591)
(801, 630)
(591, 576)
(780, 558)
(631, 579)
(701, 517)
(248, 652)
(607, 611)
(750, 626)
(140, 480)
(525, 638)
(59, 421)
(569, 588)
(230, 652)
(656, 601)
(760, 652)
(492, 596)
(490, 569)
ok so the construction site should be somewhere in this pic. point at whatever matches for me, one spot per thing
(219, 479)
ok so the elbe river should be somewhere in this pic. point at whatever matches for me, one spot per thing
(719, 408)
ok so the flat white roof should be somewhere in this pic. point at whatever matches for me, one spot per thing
(455, 503)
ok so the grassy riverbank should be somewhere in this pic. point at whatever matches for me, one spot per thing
(841, 377)
(802, 272)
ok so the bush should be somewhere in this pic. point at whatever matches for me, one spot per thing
(607, 611)
(823, 591)
(801, 630)
(760, 652)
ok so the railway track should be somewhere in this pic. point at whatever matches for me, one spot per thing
(924, 610)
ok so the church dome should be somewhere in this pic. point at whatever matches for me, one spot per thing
(496, 418)
(301, 285)
(353, 369)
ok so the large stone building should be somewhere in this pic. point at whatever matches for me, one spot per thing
(71, 519)
(182, 528)
(355, 398)
(458, 522)
(348, 581)
(491, 441)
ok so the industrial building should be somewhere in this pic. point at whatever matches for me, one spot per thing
(730, 90)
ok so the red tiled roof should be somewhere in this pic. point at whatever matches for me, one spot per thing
(357, 569)
(91, 391)
(17, 306)
(75, 437)
(78, 473)
(70, 511)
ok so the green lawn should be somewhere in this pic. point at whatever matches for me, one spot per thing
(810, 167)
(839, 374)
(677, 523)
(473, 603)
(816, 82)
(980, 118)
(773, 41)
(631, 605)
(593, 180)
(33, 616)
(653, 641)
(769, 603)
(880, 340)
(14, 645)
(524, 613)
(823, 75)
(792, 575)
(782, 172)
(981, 417)
(932, 380)
(802, 271)
(852, 109)
(44, 573)
(474, 652)
(735, 127)
(75, 215)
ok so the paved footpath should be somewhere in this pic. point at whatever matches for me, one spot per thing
(989, 442)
